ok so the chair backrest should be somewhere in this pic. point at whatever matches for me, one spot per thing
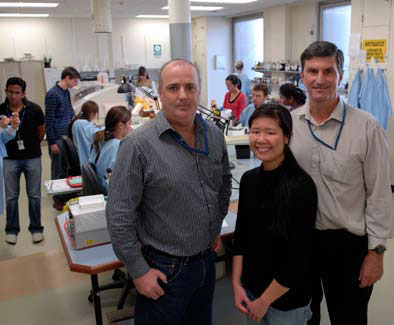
(90, 181)
(71, 158)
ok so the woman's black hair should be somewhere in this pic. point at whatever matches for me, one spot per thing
(289, 90)
(87, 108)
(235, 80)
(143, 72)
(289, 178)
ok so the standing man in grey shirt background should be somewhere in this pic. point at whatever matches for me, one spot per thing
(345, 151)
(168, 196)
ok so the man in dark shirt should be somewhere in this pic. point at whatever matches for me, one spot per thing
(168, 195)
(58, 114)
(24, 156)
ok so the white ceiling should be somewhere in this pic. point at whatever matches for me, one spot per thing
(131, 8)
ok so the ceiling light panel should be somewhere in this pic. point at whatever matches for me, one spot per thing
(153, 16)
(29, 4)
(23, 15)
(223, 1)
(199, 8)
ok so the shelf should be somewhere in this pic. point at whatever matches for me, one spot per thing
(275, 71)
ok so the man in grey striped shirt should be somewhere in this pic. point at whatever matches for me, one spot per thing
(168, 195)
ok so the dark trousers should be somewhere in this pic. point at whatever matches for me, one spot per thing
(188, 294)
(338, 258)
(57, 169)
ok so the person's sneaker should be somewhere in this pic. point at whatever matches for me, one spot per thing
(11, 239)
(37, 237)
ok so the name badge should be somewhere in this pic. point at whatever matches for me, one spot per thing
(21, 146)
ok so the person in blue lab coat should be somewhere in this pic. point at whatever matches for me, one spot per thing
(260, 96)
(245, 84)
(81, 130)
(106, 142)
(7, 133)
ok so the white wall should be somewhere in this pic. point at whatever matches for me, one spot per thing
(72, 41)
(289, 29)
(212, 36)
(199, 52)
(276, 21)
(304, 20)
(219, 42)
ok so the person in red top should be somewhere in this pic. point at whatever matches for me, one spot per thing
(234, 98)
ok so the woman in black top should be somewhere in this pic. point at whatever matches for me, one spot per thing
(274, 230)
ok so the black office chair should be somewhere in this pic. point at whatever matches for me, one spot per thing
(91, 186)
(90, 181)
(70, 157)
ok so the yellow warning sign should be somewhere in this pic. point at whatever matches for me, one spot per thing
(375, 48)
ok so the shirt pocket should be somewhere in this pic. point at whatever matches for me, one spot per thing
(212, 168)
(341, 168)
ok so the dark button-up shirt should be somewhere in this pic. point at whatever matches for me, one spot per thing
(167, 195)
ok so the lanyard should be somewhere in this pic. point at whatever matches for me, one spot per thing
(339, 133)
(179, 139)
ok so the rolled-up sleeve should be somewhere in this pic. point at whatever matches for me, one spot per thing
(122, 212)
(376, 169)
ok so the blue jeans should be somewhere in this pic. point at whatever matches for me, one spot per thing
(12, 170)
(299, 316)
(188, 294)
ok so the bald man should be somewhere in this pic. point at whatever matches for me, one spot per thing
(168, 196)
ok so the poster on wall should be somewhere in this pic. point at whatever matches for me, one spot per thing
(375, 49)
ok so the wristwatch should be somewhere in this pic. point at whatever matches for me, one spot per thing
(380, 249)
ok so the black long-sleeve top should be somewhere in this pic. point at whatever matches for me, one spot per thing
(267, 253)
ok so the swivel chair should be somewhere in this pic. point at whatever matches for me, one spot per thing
(70, 157)
(90, 181)
(91, 186)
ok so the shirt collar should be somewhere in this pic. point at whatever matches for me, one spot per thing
(162, 124)
(336, 114)
(63, 90)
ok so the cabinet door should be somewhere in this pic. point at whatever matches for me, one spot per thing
(376, 13)
(33, 74)
(7, 70)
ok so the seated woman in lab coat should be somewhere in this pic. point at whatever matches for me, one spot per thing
(106, 142)
(81, 130)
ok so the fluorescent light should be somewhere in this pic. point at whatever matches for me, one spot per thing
(28, 4)
(152, 16)
(223, 1)
(23, 15)
(199, 8)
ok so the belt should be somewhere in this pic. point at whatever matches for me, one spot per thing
(150, 249)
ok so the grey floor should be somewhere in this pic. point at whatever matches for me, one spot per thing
(36, 286)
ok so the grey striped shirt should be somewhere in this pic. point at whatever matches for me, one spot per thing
(165, 195)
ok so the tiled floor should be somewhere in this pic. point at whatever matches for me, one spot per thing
(37, 288)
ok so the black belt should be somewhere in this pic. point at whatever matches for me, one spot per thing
(150, 249)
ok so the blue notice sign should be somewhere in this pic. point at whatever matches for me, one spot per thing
(157, 50)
